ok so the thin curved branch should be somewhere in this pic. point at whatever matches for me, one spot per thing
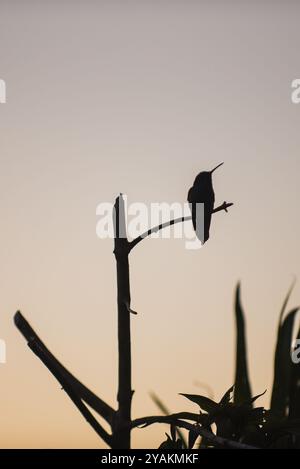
(224, 206)
(157, 228)
(145, 421)
(64, 377)
(201, 431)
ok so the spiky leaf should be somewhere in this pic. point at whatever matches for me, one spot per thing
(242, 389)
(294, 404)
(283, 365)
(206, 404)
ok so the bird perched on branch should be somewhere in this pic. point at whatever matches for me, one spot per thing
(202, 192)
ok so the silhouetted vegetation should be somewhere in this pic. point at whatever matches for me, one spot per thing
(234, 421)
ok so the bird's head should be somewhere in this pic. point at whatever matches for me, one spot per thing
(205, 177)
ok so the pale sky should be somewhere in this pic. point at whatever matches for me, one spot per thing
(138, 97)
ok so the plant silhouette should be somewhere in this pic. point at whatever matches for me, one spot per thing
(238, 424)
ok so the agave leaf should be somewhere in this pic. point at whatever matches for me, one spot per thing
(159, 404)
(206, 404)
(294, 404)
(167, 444)
(193, 436)
(227, 396)
(254, 398)
(242, 389)
(165, 411)
(173, 431)
(285, 302)
(283, 365)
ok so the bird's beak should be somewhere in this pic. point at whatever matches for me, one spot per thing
(216, 167)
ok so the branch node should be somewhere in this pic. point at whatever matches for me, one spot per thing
(129, 309)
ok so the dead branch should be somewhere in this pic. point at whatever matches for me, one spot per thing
(74, 388)
(157, 228)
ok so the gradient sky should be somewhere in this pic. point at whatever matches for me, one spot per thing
(138, 97)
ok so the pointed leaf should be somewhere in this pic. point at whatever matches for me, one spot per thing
(206, 404)
(193, 436)
(285, 302)
(167, 444)
(173, 431)
(165, 411)
(294, 404)
(242, 389)
(160, 404)
(227, 396)
(283, 365)
(253, 399)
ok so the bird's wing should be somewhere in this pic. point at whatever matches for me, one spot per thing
(191, 197)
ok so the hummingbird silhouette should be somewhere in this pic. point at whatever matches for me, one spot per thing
(202, 192)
